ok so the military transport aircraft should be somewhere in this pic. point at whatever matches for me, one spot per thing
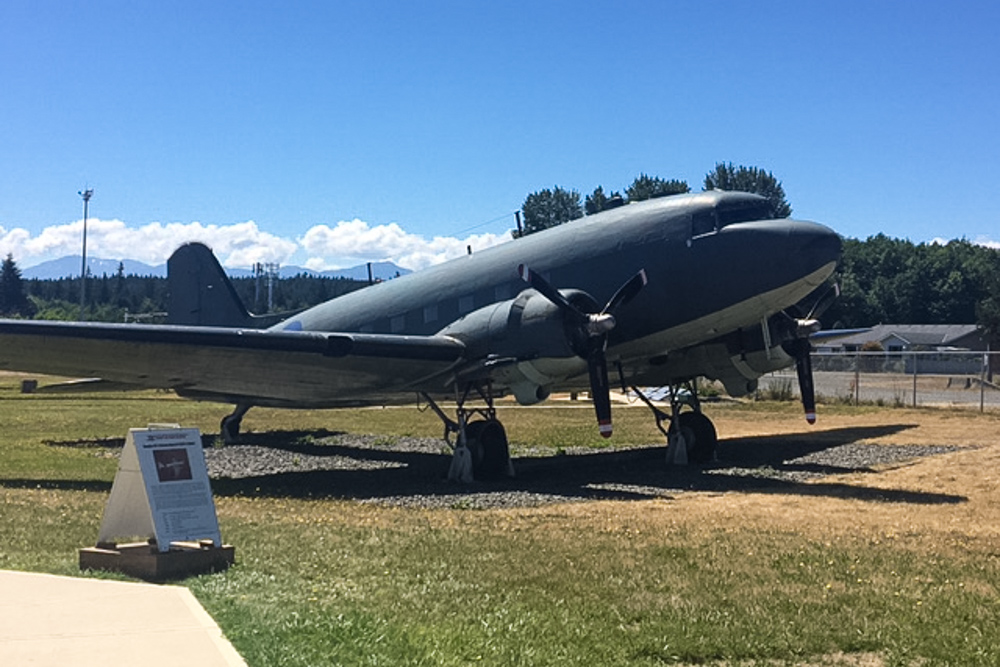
(662, 292)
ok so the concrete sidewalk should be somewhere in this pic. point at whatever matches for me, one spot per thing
(49, 620)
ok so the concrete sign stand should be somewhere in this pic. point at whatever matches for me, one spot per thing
(161, 493)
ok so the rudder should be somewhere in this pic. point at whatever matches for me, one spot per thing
(201, 293)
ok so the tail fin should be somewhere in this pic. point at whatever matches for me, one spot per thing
(200, 291)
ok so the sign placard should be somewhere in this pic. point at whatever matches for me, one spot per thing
(161, 490)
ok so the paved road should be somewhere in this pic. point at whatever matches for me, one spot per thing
(894, 388)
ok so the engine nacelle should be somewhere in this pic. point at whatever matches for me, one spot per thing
(736, 360)
(526, 342)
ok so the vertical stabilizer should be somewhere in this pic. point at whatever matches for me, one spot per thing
(200, 291)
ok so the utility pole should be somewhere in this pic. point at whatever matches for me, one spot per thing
(272, 269)
(86, 194)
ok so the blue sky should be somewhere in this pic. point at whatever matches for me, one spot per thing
(332, 133)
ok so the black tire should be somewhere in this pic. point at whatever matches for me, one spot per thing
(487, 442)
(229, 429)
(699, 434)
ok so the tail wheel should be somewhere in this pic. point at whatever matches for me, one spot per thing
(487, 442)
(699, 434)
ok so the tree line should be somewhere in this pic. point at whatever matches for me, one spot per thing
(882, 279)
(119, 297)
(550, 207)
(885, 280)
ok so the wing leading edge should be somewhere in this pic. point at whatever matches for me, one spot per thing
(307, 369)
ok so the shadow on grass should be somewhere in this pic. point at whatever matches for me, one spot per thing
(766, 464)
(386, 471)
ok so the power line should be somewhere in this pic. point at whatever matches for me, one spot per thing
(483, 224)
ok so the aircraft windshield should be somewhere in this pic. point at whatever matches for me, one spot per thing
(747, 211)
(730, 211)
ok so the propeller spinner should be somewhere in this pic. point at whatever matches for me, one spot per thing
(593, 329)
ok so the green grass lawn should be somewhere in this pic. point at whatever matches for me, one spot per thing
(328, 582)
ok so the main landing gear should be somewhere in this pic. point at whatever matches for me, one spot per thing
(230, 426)
(691, 436)
(480, 449)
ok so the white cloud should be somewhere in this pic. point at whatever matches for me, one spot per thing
(240, 244)
(984, 241)
(347, 243)
(355, 241)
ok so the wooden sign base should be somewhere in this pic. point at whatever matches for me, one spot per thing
(144, 561)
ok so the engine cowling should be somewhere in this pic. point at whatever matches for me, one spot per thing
(737, 359)
(525, 342)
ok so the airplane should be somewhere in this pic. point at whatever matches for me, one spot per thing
(663, 292)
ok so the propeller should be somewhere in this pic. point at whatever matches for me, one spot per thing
(826, 300)
(590, 334)
(800, 348)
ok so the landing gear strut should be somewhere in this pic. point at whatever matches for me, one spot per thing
(691, 436)
(230, 426)
(480, 450)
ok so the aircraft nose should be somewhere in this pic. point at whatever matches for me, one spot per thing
(815, 244)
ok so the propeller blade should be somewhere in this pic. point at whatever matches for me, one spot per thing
(597, 364)
(627, 292)
(543, 287)
(820, 305)
(824, 302)
(803, 368)
(594, 327)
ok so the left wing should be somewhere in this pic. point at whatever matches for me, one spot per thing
(306, 369)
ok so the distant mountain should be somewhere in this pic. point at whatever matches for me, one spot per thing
(69, 267)
(380, 271)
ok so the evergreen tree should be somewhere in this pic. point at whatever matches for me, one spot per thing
(647, 187)
(118, 290)
(549, 208)
(750, 179)
(13, 297)
(596, 201)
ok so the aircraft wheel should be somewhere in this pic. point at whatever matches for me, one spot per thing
(230, 428)
(487, 442)
(699, 434)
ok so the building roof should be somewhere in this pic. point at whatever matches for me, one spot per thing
(928, 335)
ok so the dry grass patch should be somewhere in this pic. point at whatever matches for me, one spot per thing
(895, 567)
(966, 481)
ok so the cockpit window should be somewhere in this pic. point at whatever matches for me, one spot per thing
(729, 211)
(744, 212)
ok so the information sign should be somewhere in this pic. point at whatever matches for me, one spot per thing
(161, 490)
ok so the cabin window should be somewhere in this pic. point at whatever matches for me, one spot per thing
(430, 313)
(502, 292)
(397, 324)
(465, 304)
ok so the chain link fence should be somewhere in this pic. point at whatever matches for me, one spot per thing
(900, 379)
